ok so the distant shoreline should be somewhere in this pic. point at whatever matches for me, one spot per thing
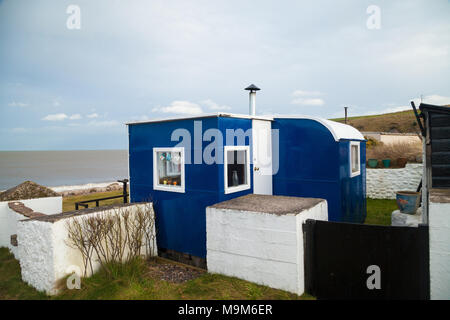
(86, 188)
(64, 150)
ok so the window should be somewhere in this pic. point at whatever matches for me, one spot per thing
(236, 168)
(168, 169)
(355, 161)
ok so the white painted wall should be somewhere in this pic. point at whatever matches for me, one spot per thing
(45, 255)
(393, 139)
(259, 247)
(383, 183)
(439, 228)
(9, 218)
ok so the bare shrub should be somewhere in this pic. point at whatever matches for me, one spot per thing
(410, 151)
(118, 235)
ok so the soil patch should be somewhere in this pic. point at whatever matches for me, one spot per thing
(172, 272)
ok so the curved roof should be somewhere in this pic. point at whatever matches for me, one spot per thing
(337, 129)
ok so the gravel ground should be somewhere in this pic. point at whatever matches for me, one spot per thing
(172, 272)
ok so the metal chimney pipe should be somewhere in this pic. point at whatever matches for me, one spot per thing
(252, 99)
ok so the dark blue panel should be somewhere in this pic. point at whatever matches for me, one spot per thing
(353, 189)
(181, 218)
(309, 163)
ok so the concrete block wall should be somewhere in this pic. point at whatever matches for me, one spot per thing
(45, 252)
(259, 247)
(9, 218)
(383, 183)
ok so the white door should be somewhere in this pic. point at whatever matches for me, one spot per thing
(262, 157)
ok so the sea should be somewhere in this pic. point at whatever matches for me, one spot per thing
(63, 170)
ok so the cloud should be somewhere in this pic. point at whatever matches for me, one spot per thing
(180, 107)
(307, 98)
(214, 106)
(92, 115)
(434, 99)
(106, 123)
(76, 116)
(308, 101)
(140, 118)
(18, 104)
(55, 117)
(56, 103)
(391, 107)
(302, 93)
(430, 99)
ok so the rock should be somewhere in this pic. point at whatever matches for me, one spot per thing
(27, 190)
(406, 220)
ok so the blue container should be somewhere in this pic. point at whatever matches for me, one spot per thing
(386, 163)
(408, 201)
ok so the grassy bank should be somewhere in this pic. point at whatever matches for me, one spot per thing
(403, 121)
(69, 202)
(135, 280)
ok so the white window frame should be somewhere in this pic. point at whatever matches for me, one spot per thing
(156, 185)
(357, 173)
(241, 187)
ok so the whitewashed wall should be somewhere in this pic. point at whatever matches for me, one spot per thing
(439, 228)
(259, 247)
(45, 255)
(383, 183)
(9, 218)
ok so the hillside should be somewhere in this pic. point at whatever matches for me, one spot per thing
(403, 122)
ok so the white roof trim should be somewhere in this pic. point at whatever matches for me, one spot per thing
(205, 115)
(337, 129)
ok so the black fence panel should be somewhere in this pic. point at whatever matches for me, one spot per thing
(339, 256)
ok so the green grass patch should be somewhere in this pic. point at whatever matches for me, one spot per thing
(379, 211)
(69, 202)
(132, 281)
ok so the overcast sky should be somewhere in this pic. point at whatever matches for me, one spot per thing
(64, 88)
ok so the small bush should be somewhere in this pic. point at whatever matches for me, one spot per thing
(119, 235)
(393, 151)
(371, 142)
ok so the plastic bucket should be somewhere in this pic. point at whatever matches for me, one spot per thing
(373, 163)
(408, 201)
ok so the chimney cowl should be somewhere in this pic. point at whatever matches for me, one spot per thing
(252, 87)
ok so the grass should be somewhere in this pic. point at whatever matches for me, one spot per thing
(69, 202)
(379, 211)
(133, 281)
(404, 122)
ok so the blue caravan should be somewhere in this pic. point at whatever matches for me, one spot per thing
(184, 165)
